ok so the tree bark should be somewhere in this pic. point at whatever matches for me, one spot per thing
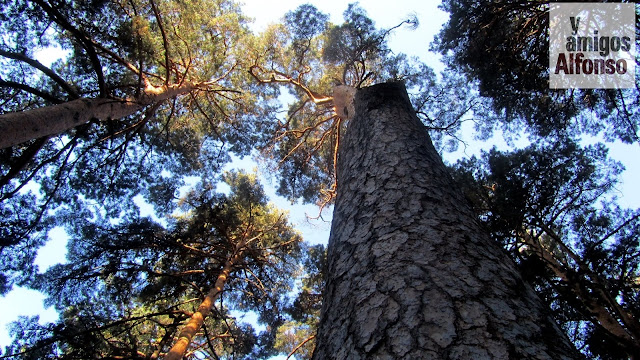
(22, 126)
(194, 323)
(411, 274)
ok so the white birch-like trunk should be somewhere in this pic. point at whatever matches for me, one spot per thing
(19, 127)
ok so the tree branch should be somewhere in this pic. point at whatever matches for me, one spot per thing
(21, 162)
(189, 331)
(38, 65)
(300, 345)
(578, 285)
(616, 230)
(165, 42)
(86, 43)
(41, 94)
(278, 77)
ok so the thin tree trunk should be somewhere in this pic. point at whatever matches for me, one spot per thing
(411, 274)
(197, 319)
(18, 127)
(597, 302)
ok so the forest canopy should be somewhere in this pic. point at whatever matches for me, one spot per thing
(175, 90)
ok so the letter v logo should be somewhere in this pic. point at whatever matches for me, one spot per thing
(575, 23)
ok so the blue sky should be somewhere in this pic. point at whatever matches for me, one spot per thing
(28, 302)
(412, 42)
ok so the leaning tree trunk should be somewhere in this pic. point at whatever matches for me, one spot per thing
(18, 127)
(411, 274)
(195, 322)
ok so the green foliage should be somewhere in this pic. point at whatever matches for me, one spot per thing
(130, 284)
(356, 43)
(114, 49)
(306, 22)
(540, 183)
(303, 314)
(503, 45)
(550, 206)
(355, 53)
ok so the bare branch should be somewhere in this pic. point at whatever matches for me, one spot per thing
(87, 44)
(41, 94)
(300, 345)
(278, 77)
(21, 162)
(165, 42)
(38, 65)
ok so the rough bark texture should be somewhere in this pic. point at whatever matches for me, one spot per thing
(411, 274)
(18, 127)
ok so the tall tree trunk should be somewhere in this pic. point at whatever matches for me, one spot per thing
(411, 274)
(194, 323)
(18, 127)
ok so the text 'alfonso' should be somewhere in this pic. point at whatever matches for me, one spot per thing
(591, 45)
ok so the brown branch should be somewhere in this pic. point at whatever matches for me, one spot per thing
(68, 146)
(276, 246)
(601, 315)
(300, 345)
(293, 113)
(165, 339)
(318, 143)
(330, 194)
(257, 283)
(38, 65)
(118, 59)
(53, 340)
(626, 116)
(206, 116)
(41, 94)
(165, 42)
(614, 231)
(87, 44)
(209, 343)
(197, 319)
(55, 119)
(601, 290)
(21, 162)
(335, 154)
(278, 77)
(187, 65)
(148, 113)
(302, 135)
(232, 68)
